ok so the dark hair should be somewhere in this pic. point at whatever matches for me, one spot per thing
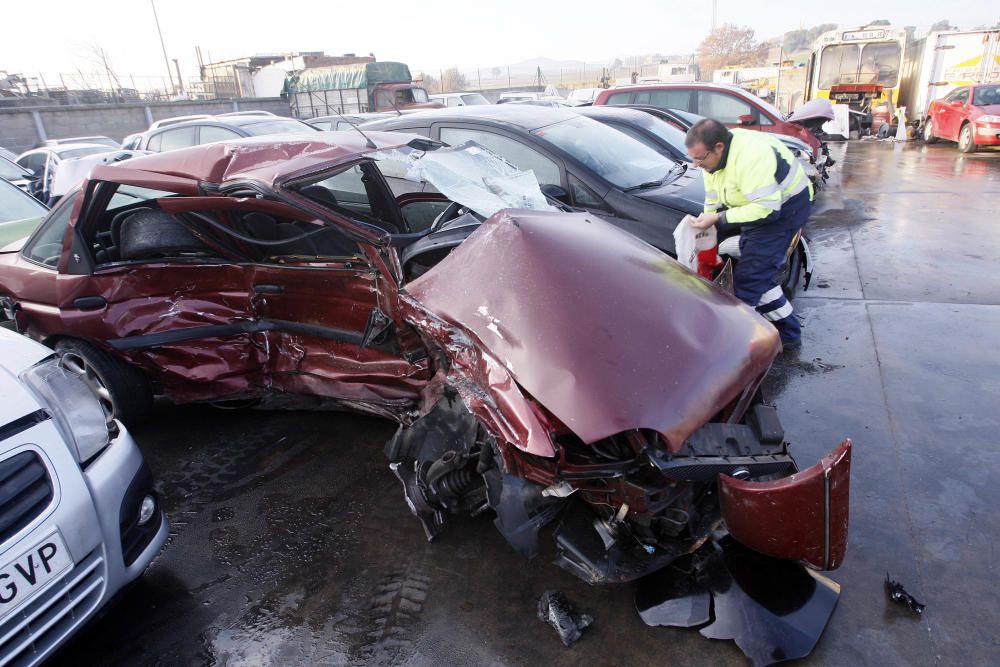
(709, 132)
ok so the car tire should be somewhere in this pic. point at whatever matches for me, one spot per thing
(966, 139)
(151, 233)
(125, 392)
(928, 132)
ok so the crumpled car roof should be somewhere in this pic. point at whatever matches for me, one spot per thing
(266, 159)
(605, 331)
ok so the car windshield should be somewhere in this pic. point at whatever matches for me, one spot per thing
(474, 98)
(667, 132)
(277, 127)
(10, 171)
(985, 95)
(19, 213)
(81, 152)
(612, 155)
(770, 108)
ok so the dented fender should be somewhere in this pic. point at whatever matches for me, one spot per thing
(802, 517)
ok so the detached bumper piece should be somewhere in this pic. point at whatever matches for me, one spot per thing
(802, 517)
(773, 609)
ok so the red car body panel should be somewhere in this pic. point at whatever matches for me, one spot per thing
(778, 124)
(802, 517)
(642, 363)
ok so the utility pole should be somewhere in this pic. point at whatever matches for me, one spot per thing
(180, 82)
(166, 61)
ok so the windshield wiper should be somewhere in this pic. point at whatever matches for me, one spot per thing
(646, 185)
(679, 169)
(653, 184)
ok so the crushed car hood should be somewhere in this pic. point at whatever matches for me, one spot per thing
(606, 332)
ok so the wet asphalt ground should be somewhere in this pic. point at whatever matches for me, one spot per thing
(291, 542)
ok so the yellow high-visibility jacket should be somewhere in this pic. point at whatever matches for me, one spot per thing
(758, 175)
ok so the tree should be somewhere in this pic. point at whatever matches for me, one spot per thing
(943, 24)
(879, 22)
(802, 40)
(496, 72)
(729, 45)
(452, 80)
(429, 83)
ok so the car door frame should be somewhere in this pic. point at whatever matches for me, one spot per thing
(952, 115)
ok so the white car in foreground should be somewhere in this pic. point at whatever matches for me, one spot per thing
(78, 515)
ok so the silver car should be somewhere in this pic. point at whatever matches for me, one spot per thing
(78, 515)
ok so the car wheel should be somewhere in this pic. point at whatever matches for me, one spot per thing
(125, 392)
(929, 137)
(966, 140)
(153, 233)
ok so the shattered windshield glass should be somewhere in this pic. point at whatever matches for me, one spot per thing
(468, 174)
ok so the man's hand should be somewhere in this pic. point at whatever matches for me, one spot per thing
(705, 220)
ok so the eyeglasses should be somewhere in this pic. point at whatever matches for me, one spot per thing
(699, 160)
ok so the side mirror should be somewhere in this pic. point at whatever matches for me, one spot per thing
(746, 119)
(555, 192)
(957, 103)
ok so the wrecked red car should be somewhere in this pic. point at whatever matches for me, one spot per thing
(540, 363)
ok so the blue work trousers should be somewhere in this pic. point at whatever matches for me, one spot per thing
(763, 249)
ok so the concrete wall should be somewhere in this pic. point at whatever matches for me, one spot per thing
(23, 128)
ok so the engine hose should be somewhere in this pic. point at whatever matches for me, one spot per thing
(455, 483)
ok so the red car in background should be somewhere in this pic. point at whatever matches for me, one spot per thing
(969, 115)
(728, 104)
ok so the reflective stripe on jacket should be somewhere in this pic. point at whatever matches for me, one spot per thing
(760, 174)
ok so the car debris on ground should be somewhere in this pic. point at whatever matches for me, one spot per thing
(556, 610)
(898, 594)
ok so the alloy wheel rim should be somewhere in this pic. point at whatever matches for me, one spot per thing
(965, 137)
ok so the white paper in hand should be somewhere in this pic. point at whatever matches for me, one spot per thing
(684, 239)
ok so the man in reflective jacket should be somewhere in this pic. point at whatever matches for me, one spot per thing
(753, 184)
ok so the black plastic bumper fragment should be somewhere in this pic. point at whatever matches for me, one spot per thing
(731, 449)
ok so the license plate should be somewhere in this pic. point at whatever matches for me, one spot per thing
(31, 571)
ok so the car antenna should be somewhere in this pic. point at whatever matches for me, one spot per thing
(368, 142)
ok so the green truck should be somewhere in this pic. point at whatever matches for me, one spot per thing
(352, 89)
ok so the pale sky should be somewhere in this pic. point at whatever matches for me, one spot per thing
(52, 36)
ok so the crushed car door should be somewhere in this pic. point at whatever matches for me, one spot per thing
(316, 296)
(162, 294)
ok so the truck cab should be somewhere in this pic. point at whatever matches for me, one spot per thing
(392, 96)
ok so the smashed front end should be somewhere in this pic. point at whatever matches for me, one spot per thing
(588, 383)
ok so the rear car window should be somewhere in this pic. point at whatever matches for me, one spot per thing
(618, 98)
